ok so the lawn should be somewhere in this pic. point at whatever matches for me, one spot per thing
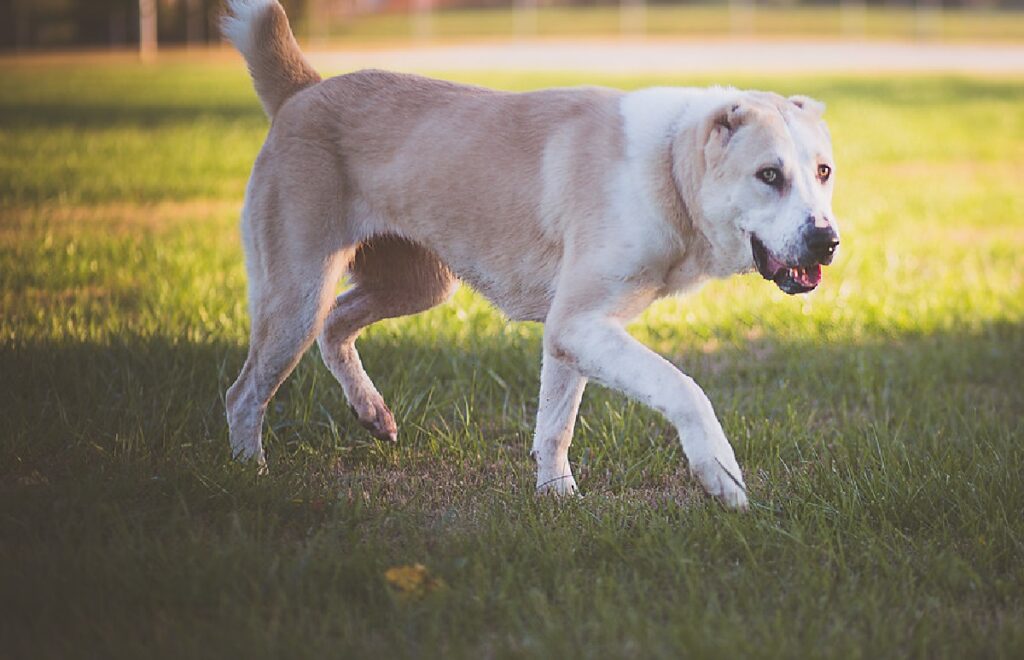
(667, 20)
(878, 420)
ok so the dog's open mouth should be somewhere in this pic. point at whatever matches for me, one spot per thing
(791, 279)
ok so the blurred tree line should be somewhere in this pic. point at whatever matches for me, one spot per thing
(26, 24)
(48, 23)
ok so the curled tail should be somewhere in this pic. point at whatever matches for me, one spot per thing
(259, 30)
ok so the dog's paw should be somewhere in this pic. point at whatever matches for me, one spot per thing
(379, 421)
(246, 453)
(559, 485)
(721, 478)
(554, 477)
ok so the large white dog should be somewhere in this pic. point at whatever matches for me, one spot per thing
(575, 207)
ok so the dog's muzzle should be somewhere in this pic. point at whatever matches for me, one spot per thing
(803, 275)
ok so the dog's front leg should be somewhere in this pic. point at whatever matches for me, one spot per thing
(561, 388)
(596, 345)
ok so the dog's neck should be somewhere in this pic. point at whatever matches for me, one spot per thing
(672, 175)
(666, 130)
(721, 253)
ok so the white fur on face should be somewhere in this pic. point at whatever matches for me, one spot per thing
(779, 135)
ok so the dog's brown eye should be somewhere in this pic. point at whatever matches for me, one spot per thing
(824, 172)
(770, 176)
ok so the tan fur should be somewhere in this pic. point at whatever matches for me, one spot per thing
(276, 64)
(568, 206)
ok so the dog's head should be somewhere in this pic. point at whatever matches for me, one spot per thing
(766, 193)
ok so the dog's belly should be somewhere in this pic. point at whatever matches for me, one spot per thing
(519, 279)
(515, 266)
(520, 300)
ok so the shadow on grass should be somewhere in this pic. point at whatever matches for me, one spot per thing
(886, 472)
(153, 398)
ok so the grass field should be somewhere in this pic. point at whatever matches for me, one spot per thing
(681, 20)
(878, 421)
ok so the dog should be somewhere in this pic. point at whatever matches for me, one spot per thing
(574, 207)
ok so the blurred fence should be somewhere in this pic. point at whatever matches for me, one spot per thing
(45, 24)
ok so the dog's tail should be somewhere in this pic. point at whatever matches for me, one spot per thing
(259, 30)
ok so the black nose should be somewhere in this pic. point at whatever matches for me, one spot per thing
(821, 242)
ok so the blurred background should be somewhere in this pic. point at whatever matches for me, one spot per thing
(27, 25)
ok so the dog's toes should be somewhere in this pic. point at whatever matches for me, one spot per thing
(382, 427)
(735, 499)
(246, 453)
(723, 483)
(560, 486)
(380, 423)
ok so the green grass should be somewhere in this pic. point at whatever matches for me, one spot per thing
(878, 421)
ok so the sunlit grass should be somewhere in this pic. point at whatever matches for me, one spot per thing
(878, 420)
(680, 20)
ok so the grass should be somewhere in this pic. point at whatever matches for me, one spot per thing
(878, 421)
(698, 20)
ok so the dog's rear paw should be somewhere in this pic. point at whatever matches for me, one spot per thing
(379, 421)
(245, 453)
(723, 479)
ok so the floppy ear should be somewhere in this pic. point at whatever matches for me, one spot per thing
(724, 123)
(816, 108)
(729, 117)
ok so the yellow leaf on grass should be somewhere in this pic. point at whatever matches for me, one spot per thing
(412, 581)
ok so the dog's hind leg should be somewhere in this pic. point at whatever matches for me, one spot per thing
(391, 277)
(292, 276)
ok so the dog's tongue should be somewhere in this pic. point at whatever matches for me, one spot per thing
(809, 276)
(775, 266)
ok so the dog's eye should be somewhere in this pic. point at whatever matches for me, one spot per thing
(771, 176)
(824, 172)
